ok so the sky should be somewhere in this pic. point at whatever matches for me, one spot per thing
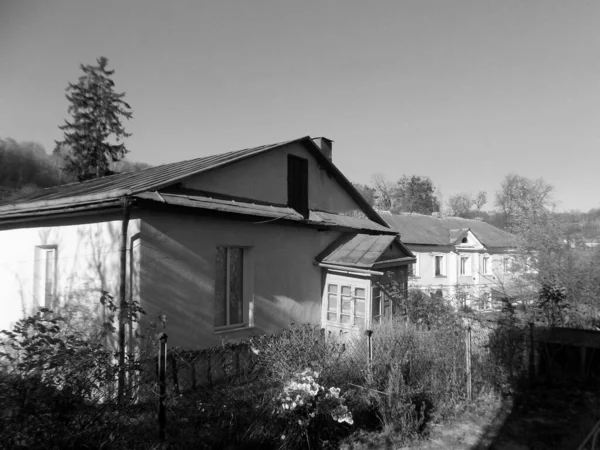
(464, 92)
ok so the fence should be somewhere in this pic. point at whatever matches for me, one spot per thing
(184, 396)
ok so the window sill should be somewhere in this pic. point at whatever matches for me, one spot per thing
(232, 328)
(441, 276)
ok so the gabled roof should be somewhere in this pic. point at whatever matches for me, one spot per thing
(360, 250)
(444, 231)
(226, 204)
(101, 191)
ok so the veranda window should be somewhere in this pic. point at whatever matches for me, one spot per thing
(346, 304)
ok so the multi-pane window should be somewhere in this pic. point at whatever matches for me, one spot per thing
(44, 276)
(346, 304)
(229, 286)
(439, 266)
(465, 265)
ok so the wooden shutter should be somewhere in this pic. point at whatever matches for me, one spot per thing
(298, 184)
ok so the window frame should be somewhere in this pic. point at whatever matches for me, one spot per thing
(246, 288)
(354, 319)
(413, 269)
(41, 296)
(442, 266)
(467, 270)
(486, 264)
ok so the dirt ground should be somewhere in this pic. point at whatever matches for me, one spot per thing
(548, 418)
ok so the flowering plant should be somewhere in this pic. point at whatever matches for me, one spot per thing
(308, 410)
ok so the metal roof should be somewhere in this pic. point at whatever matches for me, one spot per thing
(225, 204)
(430, 230)
(360, 250)
(114, 186)
(105, 189)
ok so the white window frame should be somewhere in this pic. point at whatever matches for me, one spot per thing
(247, 290)
(486, 264)
(353, 297)
(467, 269)
(45, 276)
(415, 267)
(442, 265)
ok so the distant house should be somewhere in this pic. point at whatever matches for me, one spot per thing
(466, 260)
(222, 246)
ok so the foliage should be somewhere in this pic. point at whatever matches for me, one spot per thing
(93, 139)
(462, 204)
(368, 192)
(416, 194)
(519, 195)
(25, 166)
(413, 194)
(306, 412)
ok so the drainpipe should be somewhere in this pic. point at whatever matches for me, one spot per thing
(126, 202)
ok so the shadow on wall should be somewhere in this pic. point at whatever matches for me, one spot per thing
(175, 282)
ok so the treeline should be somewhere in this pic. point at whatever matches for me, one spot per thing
(516, 196)
(25, 167)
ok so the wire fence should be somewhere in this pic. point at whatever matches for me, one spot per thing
(68, 396)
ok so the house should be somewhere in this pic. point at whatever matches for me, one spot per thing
(466, 260)
(218, 247)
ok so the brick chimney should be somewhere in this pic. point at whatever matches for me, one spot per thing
(326, 146)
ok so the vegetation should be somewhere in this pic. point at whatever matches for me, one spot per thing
(93, 138)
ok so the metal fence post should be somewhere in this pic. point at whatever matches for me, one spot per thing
(531, 354)
(162, 383)
(369, 334)
(468, 361)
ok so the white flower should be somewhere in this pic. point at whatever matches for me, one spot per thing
(335, 392)
(255, 350)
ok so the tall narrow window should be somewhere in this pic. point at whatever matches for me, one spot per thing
(439, 266)
(485, 264)
(376, 304)
(465, 265)
(413, 269)
(229, 286)
(44, 276)
(298, 184)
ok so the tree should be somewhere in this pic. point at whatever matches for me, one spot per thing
(462, 204)
(367, 192)
(384, 192)
(93, 139)
(416, 194)
(519, 195)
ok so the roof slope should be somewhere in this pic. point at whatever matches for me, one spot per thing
(429, 230)
(360, 250)
(150, 179)
(111, 188)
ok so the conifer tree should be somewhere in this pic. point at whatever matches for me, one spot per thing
(94, 137)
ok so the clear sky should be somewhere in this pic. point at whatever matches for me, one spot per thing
(461, 91)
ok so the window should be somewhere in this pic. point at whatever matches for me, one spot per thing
(465, 265)
(377, 302)
(485, 264)
(229, 287)
(44, 276)
(346, 304)
(440, 269)
(298, 184)
(413, 269)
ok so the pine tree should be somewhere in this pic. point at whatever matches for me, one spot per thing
(93, 139)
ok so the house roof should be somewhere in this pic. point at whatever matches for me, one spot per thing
(359, 250)
(226, 204)
(100, 192)
(443, 231)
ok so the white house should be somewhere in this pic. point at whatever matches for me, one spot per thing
(464, 259)
(220, 246)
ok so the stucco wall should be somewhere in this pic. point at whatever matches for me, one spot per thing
(264, 177)
(426, 276)
(87, 262)
(178, 270)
